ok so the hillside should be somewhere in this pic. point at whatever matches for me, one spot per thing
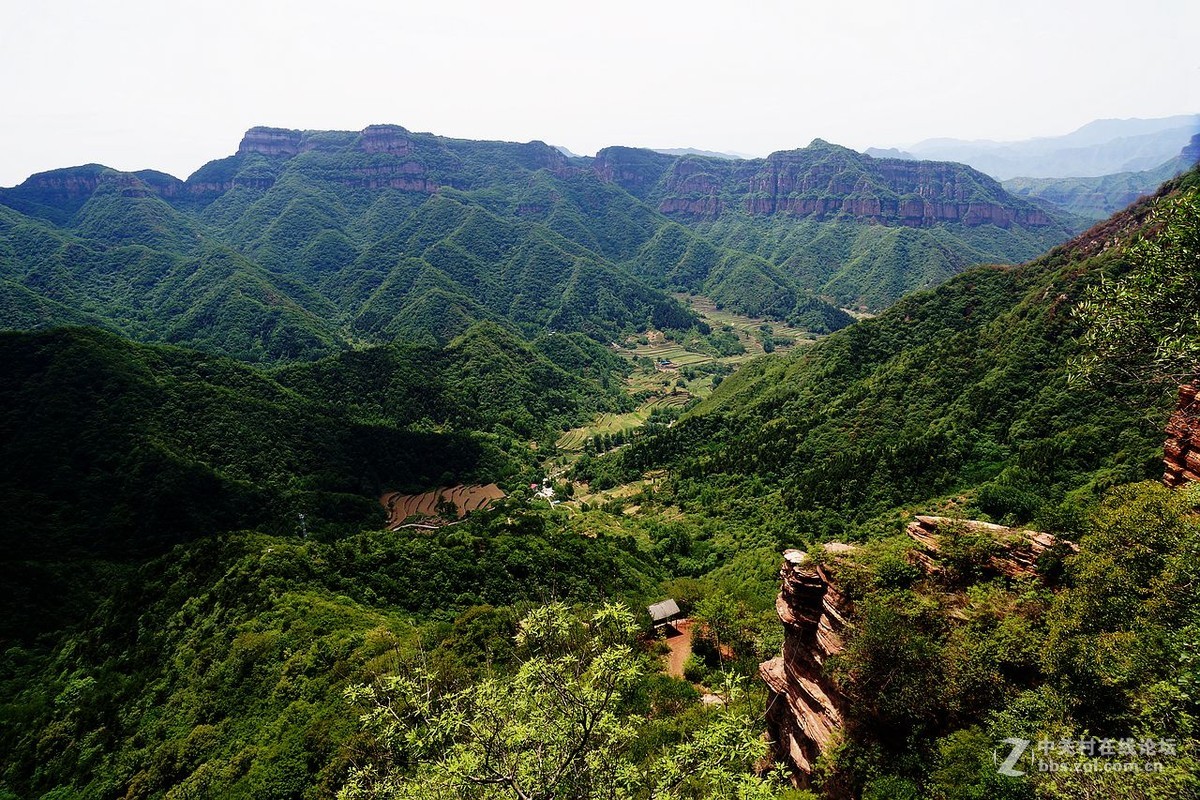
(959, 397)
(305, 243)
(204, 600)
(120, 451)
(863, 231)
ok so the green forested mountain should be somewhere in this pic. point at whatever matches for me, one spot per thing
(431, 311)
(301, 245)
(173, 628)
(967, 401)
(305, 243)
(860, 230)
(118, 451)
(959, 396)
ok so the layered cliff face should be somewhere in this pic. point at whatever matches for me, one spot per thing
(822, 181)
(805, 709)
(832, 183)
(1181, 453)
(1016, 553)
(635, 170)
(271, 142)
(391, 139)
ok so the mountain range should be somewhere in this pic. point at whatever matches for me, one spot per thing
(210, 382)
(1100, 196)
(305, 243)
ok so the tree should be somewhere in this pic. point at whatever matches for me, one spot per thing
(1145, 325)
(552, 728)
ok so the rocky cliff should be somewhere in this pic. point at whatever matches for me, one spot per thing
(271, 142)
(805, 710)
(1016, 553)
(822, 181)
(1181, 453)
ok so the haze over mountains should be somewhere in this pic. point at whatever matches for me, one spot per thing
(1091, 172)
(1101, 147)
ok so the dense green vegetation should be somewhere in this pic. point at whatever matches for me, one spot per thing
(961, 397)
(294, 251)
(283, 258)
(941, 670)
(202, 603)
(872, 265)
(969, 400)
(217, 670)
(118, 451)
(558, 726)
(819, 245)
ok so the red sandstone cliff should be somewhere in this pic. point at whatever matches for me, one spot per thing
(1181, 453)
(805, 710)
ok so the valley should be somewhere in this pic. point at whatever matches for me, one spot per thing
(314, 400)
(668, 374)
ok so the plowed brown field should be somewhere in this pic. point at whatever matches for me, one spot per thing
(423, 507)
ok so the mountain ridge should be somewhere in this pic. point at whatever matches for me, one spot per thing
(302, 243)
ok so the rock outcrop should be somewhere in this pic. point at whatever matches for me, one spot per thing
(391, 139)
(821, 181)
(1181, 452)
(804, 708)
(1016, 554)
(271, 141)
(888, 191)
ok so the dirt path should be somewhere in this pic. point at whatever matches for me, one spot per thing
(681, 647)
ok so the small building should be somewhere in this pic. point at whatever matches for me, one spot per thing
(664, 613)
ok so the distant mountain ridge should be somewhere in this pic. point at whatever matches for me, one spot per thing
(862, 231)
(1106, 194)
(692, 151)
(822, 180)
(1101, 147)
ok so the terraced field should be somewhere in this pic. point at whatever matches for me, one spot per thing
(744, 327)
(423, 507)
(573, 440)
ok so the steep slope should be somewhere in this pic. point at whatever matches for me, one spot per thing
(302, 241)
(861, 230)
(306, 242)
(960, 395)
(117, 450)
(129, 261)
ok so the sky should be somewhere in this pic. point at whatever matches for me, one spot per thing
(172, 84)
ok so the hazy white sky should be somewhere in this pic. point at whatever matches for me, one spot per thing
(171, 84)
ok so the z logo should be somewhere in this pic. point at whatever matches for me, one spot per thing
(1018, 750)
